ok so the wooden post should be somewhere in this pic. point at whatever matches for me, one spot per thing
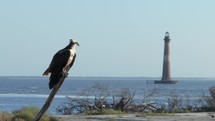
(49, 99)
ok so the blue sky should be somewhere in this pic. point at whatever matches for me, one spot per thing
(116, 37)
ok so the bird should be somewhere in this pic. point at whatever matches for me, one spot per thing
(61, 63)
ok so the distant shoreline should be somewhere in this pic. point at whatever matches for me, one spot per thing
(144, 77)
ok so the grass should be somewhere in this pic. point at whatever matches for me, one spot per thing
(5, 116)
(25, 114)
(104, 112)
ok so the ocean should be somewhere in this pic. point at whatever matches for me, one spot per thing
(17, 92)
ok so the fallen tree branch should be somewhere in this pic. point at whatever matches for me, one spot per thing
(49, 99)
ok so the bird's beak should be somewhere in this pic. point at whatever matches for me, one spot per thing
(77, 43)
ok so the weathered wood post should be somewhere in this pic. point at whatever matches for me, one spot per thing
(49, 99)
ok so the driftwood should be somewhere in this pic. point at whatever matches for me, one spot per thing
(49, 99)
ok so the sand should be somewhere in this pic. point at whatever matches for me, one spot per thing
(139, 117)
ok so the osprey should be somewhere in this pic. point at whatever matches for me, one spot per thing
(61, 62)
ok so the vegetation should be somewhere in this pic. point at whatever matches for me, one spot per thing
(105, 111)
(25, 114)
(100, 102)
(5, 116)
(106, 101)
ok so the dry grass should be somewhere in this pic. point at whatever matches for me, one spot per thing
(5, 116)
(24, 114)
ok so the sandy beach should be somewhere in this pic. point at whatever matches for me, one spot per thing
(139, 117)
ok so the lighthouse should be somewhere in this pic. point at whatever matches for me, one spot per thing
(166, 73)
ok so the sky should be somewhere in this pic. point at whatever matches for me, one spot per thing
(118, 38)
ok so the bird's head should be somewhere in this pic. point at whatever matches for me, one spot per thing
(74, 42)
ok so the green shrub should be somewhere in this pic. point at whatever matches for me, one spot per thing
(24, 114)
(104, 111)
(5, 116)
(28, 113)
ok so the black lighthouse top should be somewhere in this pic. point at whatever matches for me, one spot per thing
(166, 38)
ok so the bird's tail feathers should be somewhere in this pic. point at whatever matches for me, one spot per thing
(47, 72)
(54, 78)
(53, 81)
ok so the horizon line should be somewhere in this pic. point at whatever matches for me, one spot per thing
(114, 77)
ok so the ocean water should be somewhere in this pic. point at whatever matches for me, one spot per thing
(16, 92)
